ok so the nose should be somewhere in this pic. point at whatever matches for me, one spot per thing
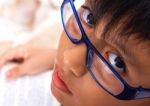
(74, 59)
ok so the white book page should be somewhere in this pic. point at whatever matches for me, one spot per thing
(26, 91)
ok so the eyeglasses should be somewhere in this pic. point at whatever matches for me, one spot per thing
(101, 71)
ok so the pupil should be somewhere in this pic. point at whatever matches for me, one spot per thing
(90, 18)
(119, 62)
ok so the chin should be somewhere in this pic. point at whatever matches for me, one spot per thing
(63, 99)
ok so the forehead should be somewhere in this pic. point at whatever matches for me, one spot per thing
(115, 37)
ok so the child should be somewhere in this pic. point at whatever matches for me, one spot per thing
(103, 55)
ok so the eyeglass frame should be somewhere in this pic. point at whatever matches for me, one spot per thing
(129, 93)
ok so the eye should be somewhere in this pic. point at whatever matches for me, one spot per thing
(87, 16)
(117, 62)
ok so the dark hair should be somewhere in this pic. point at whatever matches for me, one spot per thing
(133, 15)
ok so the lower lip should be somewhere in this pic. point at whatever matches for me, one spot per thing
(59, 83)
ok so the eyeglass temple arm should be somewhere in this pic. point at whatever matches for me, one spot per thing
(142, 93)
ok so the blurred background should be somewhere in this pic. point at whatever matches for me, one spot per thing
(35, 21)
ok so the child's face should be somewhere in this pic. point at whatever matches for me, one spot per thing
(72, 83)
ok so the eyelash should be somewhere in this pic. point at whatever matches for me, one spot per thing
(117, 58)
(81, 13)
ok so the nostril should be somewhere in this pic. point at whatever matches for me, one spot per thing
(78, 71)
(74, 64)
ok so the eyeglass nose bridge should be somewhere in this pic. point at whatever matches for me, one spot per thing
(89, 57)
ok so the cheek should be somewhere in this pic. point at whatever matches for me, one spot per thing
(88, 92)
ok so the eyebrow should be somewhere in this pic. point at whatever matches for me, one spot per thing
(120, 44)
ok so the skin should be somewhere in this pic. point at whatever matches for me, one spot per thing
(84, 90)
(70, 64)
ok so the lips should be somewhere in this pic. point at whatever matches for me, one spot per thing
(59, 83)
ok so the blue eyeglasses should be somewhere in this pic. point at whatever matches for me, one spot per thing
(101, 71)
